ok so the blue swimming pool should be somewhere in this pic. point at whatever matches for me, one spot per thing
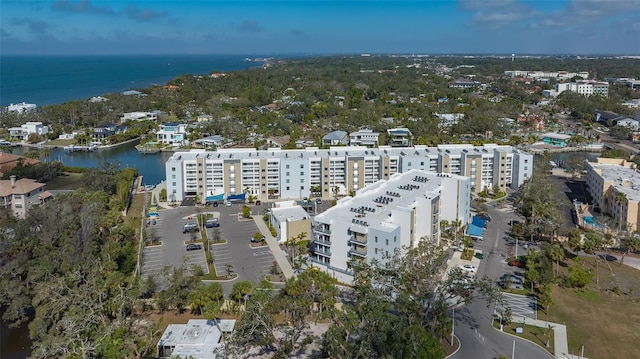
(590, 221)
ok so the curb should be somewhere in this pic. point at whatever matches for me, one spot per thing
(457, 349)
(515, 336)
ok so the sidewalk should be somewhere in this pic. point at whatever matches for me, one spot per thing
(278, 253)
(560, 345)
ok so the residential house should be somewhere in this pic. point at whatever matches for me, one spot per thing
(335, 138)
(138, 116)
(105, 130)
(204, 118)
(8, 161)
(305, 142)
(399, 137)
(278, 141)
(22, 132)
(463, 84)
(448, 119)
(364, 137)
(211, 141)
(171, 133)
(22, 107)
(20, 195)
(198, 339)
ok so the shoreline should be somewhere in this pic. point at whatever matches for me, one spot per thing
(98, 148)
(536, 151)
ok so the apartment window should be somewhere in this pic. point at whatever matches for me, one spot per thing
(526, 161)
(301, 166)
(301, 173)
(301, 180)
(18, 205)
(525, 168)
(173, 176)
(301, 188)
(376, 239)
(288, 174)
(287, 166)
(421, 163)
(387, 241)
(409, 164)
(287, 180)
(17, 196)
(287, 188)
(173, 169)
(173, 183)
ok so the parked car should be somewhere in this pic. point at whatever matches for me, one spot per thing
(190, 227)
(512, 285)
(318, 200)
(484, 216)
(258, 203)
(478, 255)
(608, 257)
(211, 223)
(517, 263)
(468, 268)
(511, 277)
(193, 247)
(228, 204)
(261, 239)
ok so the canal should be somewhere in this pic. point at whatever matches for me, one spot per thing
(151, 166)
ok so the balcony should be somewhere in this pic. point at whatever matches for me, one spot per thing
(358, 252)
(323, 252)
(358, 239)
(322, 229)
(322, 240)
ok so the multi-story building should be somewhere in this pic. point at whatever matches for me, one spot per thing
(21, 107)
(364, 137)
(387, 216)
(22, 132)
(172, 133)
(399, 137)
(20, 195)
(290, 221)
(585, 88)
(287, 174)
(614, 185)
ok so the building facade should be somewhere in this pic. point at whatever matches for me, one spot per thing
(327, 173)
(171, 133)
(614, 185)
(20, 195)
(387, 216)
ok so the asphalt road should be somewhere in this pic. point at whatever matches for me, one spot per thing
(473, 322)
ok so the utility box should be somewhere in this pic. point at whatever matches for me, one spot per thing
(519, 330)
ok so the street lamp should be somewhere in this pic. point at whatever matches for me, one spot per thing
(453, 324)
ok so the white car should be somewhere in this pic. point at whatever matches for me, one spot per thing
(468, 268)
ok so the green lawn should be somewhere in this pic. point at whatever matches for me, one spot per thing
(540, 336)
(59, 142)
(603, 316)
(66, 181)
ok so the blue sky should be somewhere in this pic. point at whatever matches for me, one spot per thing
(319, 27)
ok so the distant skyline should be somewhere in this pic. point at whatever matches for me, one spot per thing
(84, 27)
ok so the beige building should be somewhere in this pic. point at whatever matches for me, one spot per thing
(19, 195)
(614, 185)
(290, 221)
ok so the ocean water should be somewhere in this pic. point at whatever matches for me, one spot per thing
(46, 80)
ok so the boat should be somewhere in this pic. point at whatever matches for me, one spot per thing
(148, 148)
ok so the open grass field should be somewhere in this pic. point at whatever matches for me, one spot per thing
(66, 181)
(604, 316)
(540, 336)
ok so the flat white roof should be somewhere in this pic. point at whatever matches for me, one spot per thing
(293, 213)
(624, 179)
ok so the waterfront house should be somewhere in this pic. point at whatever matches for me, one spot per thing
(335, 138)
(198, 339)
(555, 139)
(105, 130)
(20, 195)
(171, 133)
(21, 107)
(22, 132)
(211, 141)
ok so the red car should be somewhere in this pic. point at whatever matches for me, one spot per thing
(517, 263)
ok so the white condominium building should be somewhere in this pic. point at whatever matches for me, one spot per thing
(312, 172)
(386, 216)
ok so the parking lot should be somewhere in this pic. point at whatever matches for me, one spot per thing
(249, 263)
(522, 305)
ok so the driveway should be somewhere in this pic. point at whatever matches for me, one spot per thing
(474, 322)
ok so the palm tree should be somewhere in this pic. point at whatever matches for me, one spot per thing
(556, 253)
(631, 244)
(621, 200)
